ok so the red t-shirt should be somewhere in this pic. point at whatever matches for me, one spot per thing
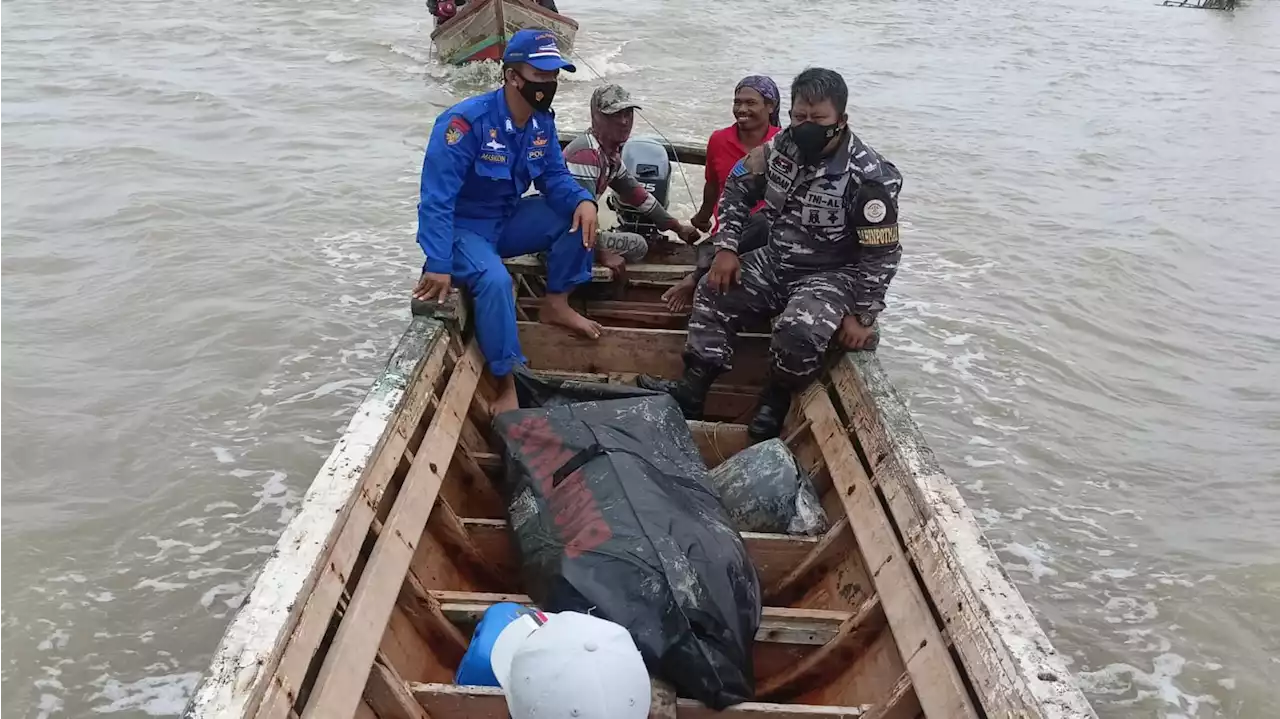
(723, 152)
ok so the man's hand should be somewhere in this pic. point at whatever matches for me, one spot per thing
(854, 336)
(688, 234)
(726, 271)
(432, 286)
(614, 262)
(701, 221)
(585, 217)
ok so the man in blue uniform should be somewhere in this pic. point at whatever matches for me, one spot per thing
(483, 154)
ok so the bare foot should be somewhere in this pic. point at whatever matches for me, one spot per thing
(558, 312)
(680, 297)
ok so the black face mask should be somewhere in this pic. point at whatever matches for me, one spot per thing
(538, 94)
(811, 138)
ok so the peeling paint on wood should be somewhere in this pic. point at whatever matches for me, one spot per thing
(250, 648)
(1014, 668)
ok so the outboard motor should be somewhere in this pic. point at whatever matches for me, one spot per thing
(646, 157)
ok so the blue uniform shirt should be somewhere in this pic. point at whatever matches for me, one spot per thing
(478, 163)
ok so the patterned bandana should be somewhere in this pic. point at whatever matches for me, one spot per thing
(768, 89)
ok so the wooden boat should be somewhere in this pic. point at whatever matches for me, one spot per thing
(901, 610)
(481, 28)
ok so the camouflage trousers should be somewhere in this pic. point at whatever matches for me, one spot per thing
(809, 306)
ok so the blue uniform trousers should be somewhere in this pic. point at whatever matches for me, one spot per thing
(477, 265)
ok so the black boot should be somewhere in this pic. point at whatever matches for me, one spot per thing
(689, 391)
(771, 412)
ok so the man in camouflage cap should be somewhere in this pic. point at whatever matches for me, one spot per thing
(595, 159)
(832, 202)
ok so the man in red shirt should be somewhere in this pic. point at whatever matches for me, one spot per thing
(756, 121)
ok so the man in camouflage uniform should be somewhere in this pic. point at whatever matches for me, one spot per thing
(832, 250)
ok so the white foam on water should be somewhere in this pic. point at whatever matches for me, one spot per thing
(1035, 556)
(972, 461)
(56, 640)
(160, 585)
(235, 590)
(337, 57)
(48, 706)
(1101, 576)
(102, 596)
(223, 455)
(1129, 610)
(163, 695)
(1136, 685)
(597, 66)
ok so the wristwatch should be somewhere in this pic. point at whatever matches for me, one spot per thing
(866, 319)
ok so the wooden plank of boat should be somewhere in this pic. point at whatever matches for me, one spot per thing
(636, 272)
(899, 610)
(464, 702)
(780, 625)
(1010, 661)
(473, 34)
(294, 595)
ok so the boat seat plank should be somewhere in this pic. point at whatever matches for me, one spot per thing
(820, 559)
(773, 554)
(639, 271)
(780, 625)
(854, 634)
(468, 702)
(642, 351)
(389, 695)
(725, 402)
(634, 314)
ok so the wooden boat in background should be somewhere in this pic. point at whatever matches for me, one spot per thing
(901, 610)
(481, 28)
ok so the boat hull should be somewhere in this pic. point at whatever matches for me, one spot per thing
(481, 30)
(900, 610)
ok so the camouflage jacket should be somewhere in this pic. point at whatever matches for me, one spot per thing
(842, 213)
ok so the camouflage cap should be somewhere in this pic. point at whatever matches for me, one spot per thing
(612, 98)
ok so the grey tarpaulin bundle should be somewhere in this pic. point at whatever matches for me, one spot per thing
(764, 490)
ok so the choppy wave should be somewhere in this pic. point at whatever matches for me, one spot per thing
(208, 236)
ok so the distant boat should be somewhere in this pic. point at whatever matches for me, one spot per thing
(473, 34)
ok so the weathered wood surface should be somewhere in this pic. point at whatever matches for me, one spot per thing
(347, 664)
(638, 272)
(935, 676)
(780, 625)
(688, 153)
(1012, 665)
(449, 701)
(774, 555)
(251, 648)
(646, 351)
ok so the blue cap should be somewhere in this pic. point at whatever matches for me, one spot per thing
(537, 48)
